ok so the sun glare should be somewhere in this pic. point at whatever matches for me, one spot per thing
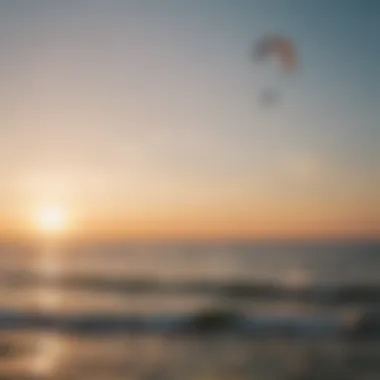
(51, 219)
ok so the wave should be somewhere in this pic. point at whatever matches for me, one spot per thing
(200, 322)
(319, 294)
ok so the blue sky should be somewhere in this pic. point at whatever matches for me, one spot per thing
(152, 105)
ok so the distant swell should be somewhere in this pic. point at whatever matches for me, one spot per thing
(332, 295)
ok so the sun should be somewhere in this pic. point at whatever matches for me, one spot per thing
(51, 219)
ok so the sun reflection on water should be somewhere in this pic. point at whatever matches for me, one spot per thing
(48, 354)
(50, 346)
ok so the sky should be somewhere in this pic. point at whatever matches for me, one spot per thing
(143, 117)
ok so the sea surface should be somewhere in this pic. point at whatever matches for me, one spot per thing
(133, 310)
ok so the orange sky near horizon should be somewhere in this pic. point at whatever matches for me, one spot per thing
(271, 220)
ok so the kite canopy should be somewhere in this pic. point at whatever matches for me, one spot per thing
(282, 51)
(280, 48)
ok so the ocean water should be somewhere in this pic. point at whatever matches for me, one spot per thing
(126, 310)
